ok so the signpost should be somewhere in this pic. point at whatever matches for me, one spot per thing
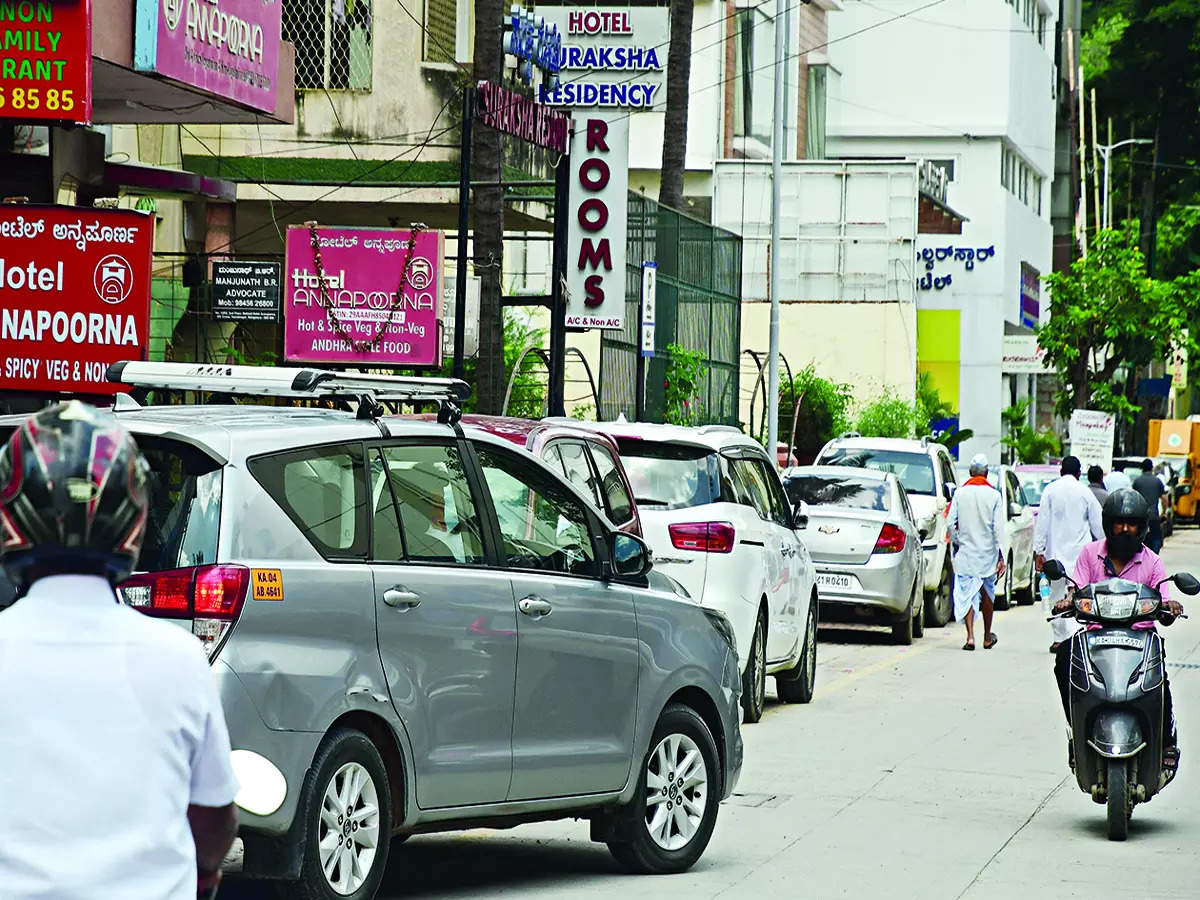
(649, 302)
(1022, 355)
(1091, 435)
(363, 300)
(46, 73)
(245, 291)
(74, 296)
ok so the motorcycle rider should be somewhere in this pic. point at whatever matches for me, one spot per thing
(115, 770)
(1123, 553)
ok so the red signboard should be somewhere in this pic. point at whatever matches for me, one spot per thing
(74, 296)
(46, 60)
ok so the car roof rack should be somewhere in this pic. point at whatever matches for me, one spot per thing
(296, 383)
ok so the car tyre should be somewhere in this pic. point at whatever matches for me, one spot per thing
(346, 784)
(1004, 601)
(797, 684)
(674, 811)
(939, 606)
(918, 622)
(902, 631)
(754, 679)
(1025, 595)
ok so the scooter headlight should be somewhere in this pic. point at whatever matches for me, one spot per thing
(1116, 606)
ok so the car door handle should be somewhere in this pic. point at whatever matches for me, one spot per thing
(535, 606)
(400, 597)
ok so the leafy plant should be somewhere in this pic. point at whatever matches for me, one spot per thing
(584, 412)
(528, 397)
(682, 386)
(887, 416)
(1027, 445)
(929, 407)
(824, 409)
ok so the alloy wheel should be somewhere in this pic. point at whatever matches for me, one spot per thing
(811, 649)
(349, 828)
(760, 665)
(676, 791)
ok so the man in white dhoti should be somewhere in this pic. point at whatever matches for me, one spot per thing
(976, 524)
(1068, 519)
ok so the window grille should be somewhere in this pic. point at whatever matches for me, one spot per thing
(441, 30)
(333, 40)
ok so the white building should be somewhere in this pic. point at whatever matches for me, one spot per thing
(970, 84)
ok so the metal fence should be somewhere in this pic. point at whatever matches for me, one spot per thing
(698, 307)
(333, 39)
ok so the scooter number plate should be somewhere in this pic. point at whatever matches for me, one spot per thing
(1116, 640)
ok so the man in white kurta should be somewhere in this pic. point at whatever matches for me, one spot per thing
(1068, 519)
(976, 523)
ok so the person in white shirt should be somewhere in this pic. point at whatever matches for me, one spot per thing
(1068, 519)
(116, 778)
(976, 523)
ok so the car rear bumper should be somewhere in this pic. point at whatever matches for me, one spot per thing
(881, 586)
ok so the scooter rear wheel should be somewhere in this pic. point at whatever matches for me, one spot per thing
(1118, 800)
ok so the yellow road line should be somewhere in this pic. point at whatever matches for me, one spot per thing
(895, 659)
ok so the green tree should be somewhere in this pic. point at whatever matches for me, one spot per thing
(1106, 314)
(1027, 444)
(888, 415)
(824, 410)
(685, 370)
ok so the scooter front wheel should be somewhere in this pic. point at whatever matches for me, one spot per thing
(1118, 799)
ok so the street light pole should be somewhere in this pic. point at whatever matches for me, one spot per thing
(776, 202)
(1106, 151)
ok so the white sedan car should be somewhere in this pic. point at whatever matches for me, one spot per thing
(717, 519)
(1019, 578)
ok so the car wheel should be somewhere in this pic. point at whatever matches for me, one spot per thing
(1004, 601)
(677, 797)
(754, 679)
(347, 810)
(1024, 596)
(940, 604)
(918, 622)
(902, 631)
(796, 685)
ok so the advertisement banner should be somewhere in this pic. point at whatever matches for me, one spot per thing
(46, 61)
(1091, 434)
(364, 315)
(74, 296)
(225, 47)
(1022, 355)
(598, 212)
(245, 290)
(611, 57)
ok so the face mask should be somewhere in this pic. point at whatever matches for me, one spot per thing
(1124, 546)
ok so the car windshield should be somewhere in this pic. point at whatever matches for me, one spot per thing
(185, 505)
(669, 476)
(915, 470)
(853, 491)
(1033, 484)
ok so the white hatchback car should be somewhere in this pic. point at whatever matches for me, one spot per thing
(717, 520)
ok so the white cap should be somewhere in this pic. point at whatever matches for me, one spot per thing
(979, 461)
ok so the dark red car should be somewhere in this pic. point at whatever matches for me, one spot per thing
(589, 460)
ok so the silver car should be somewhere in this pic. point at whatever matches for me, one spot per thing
(418, 628)
(865, 543)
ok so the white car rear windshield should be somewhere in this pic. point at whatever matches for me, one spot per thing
(838, 490)
(915, 470)
(670, 476)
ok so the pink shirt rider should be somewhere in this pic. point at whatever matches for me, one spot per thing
(1146, 567)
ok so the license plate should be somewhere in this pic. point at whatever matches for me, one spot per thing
(836, 581)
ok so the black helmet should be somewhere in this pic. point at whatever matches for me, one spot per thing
(72, 496)
(1126, 505)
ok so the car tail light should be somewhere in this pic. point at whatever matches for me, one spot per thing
(703, 537)
(211, 596)
(891, 539)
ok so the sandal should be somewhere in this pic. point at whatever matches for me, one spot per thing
(968, 646)
(990, 642)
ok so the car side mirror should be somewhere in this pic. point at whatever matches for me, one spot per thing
(1054, 570)
(1015, 509)
(1187, 583)
(630, 556)
(948, 491)
(800, 516)
(923, 531)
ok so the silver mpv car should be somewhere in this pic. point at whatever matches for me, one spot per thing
(415, 629)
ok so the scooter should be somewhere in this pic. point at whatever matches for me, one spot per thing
(1117, 695)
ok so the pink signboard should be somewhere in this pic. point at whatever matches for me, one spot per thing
(364, 315)
(225, 47)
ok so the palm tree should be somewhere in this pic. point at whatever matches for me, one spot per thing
(679, 73)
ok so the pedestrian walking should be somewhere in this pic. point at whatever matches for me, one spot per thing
(976, 524)
(1069, 519)
(115, 773)
(1096, 483)
(1151, 487)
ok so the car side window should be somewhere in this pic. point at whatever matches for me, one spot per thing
(323, 491)
(779, 503)
(948, 475)
(617, 502)
(904, 504)
(574, 464)
(1014, 489)
(543, 526)
(424, 512)
(754, 486)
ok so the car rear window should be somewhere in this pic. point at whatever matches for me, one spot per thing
(838, 490)
(915, 470)
(184, 487)
(1033, 484)
(670, 476)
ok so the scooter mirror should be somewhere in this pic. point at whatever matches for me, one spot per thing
(1187, 583)
(1054, 570)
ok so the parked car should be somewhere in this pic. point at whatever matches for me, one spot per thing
(927, 472)
(414, 629)
(866, 545)
(1020, 580)
(588, 458)
(716, 518)
(1033, 478)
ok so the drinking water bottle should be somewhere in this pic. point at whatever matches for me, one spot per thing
(1044, 589)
